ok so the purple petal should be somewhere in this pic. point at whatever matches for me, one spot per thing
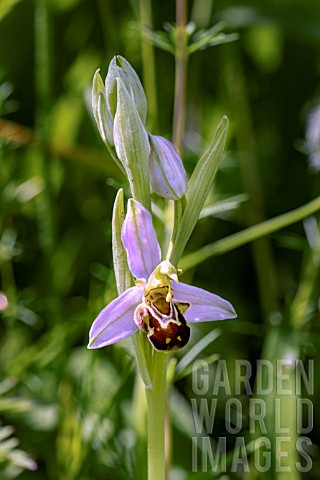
(168, 177)
(140, 240)
(115, 322)
(205, 306)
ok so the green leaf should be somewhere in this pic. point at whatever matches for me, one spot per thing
(181, 413)
(250, 234)
(191, 368)
(159, 39)
(198, 189)
(142, 350)
(223, 206)
(121, 269)
(182, 368)
(6, 6)
(11, 455)
(209, 41)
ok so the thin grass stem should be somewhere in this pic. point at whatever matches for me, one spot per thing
(250, 234)
(148, 64)
(181, 60)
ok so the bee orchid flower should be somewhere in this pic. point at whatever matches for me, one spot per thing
(158, 304)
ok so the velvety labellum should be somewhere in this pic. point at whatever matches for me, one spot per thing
(162, 320)
(174, 335)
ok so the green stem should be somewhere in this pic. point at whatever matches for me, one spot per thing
(108, 26)
(148, 63)
(255, 211)
(250, 234)
(42, 159)
(181, 58)
(43, 97)
(301, 304)
(156, 400)
(156, 395)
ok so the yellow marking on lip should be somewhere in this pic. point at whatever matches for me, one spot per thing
(179, 338)
(168, 340)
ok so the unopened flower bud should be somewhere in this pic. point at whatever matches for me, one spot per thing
(120, 68)
(168, 177)
(132, 143)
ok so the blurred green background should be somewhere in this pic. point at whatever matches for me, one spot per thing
(77, 413)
